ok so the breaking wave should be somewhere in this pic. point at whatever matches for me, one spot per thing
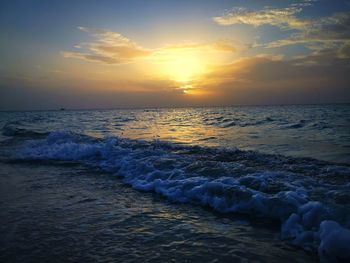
(310, 198)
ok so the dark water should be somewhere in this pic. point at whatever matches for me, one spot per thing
(267, 184)
(63, 213)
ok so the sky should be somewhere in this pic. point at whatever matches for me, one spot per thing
(160, 53)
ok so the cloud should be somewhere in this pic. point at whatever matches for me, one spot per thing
(263, 79)
(224, 45)
(281, 17)
(344, 51)
(92, 57)
(109, 48)
(113, 48)
(271, 79)
(327, 30)
(18, 94)
(321, 33)
(334, 27)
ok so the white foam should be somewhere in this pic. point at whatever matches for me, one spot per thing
(335, 242)
(182, 174)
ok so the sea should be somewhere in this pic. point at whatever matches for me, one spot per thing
(210, 184)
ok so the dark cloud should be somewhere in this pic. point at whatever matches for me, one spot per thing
(266, 80)
(331, 31)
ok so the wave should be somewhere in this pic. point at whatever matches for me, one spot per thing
(308, 197)
(240, 122)
(298, 125)
(15, 129)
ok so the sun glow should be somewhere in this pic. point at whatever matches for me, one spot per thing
(186, 64)
(182, 66)
(189, 89)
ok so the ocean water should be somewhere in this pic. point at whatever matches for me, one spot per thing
(181, 184)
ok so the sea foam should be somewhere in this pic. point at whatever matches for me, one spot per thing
(294, 192)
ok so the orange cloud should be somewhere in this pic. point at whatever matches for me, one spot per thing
(114, 48)
(109, 48)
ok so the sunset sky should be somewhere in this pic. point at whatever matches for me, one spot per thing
(111, 54)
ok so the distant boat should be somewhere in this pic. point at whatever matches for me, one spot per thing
(62, 109)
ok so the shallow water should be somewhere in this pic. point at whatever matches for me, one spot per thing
(66, 213)
(230, 184)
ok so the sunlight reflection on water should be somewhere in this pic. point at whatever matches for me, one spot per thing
(311, 131)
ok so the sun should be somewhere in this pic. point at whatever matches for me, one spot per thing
(187, 89)
(181, 66)
(186, 65)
